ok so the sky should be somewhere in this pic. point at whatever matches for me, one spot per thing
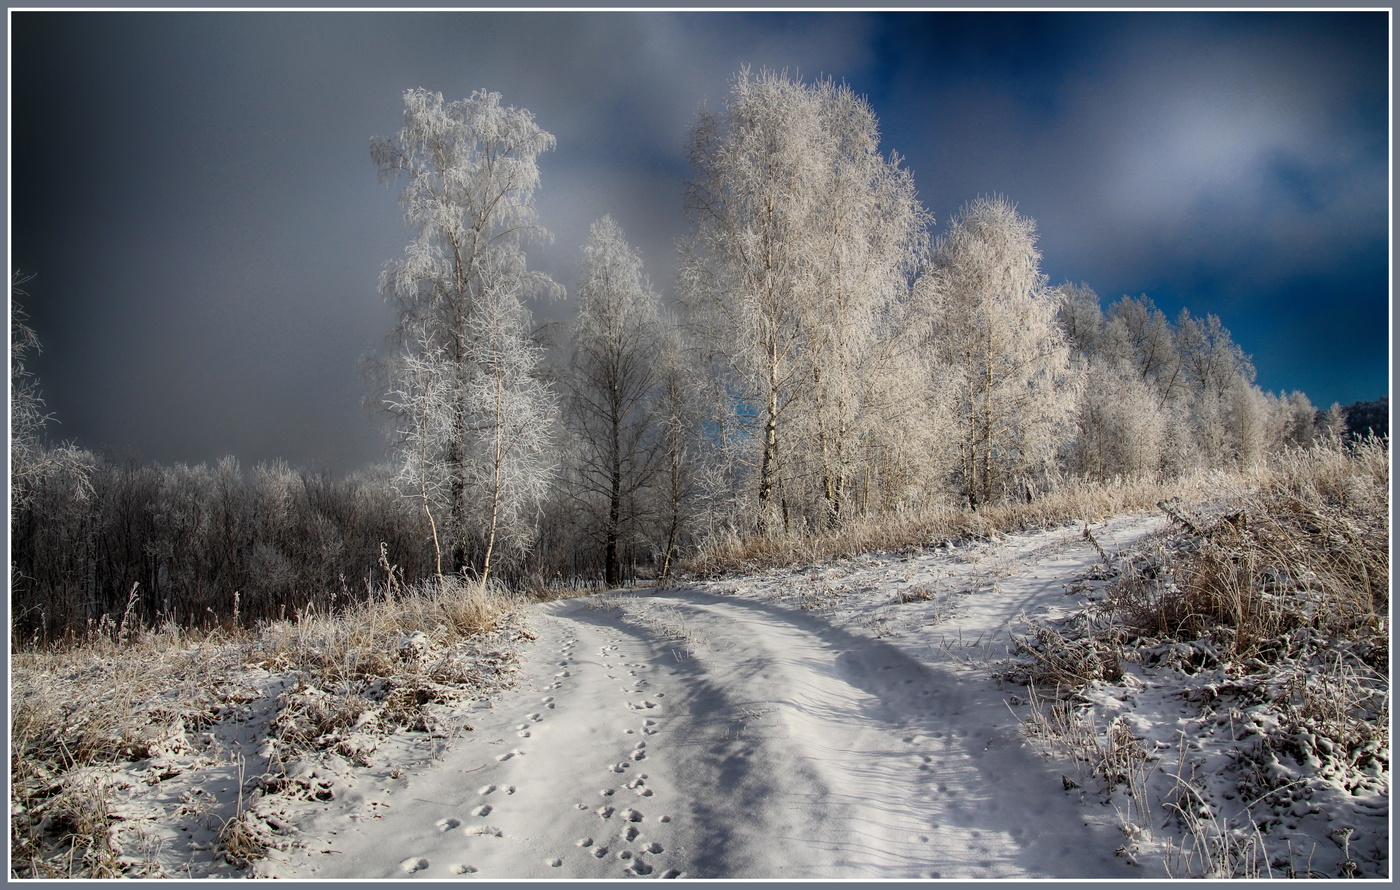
(193, 195)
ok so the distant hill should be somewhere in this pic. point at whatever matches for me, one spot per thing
(1368, 417)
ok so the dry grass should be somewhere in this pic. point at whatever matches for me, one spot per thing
(1278, 590)
(116, 698)
(1074, 503)
(1300, 562)
(127, 694)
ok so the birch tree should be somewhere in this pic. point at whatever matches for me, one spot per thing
(470, 410)
(614, 374)
(872, 235)
(31, 458)
(993, 336)
(745, 264)
(803, 236)
(1217, 376)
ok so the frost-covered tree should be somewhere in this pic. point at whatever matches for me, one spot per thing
(31, 458)
(1298, 421)
(1138, 337)
(1332, 426)
(27, 418)
(515, 413)
(1218, 376)
(683, 478)
(616, 368)
(992, 336)
(1081, 317)
(465, 353)
(1120, 430)
(872, 234)
(745, 268)
(803, 236)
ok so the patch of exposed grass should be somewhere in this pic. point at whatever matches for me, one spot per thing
(126, 694)
(1269, 606)
(1073, 503)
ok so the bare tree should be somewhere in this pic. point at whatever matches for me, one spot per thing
(460, 291)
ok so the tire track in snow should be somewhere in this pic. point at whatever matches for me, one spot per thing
(870, 763)
(707, 735)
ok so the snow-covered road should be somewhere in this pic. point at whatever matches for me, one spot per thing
(799, 723)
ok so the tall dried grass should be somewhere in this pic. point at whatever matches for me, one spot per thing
(126, 693)
(110, 699)
(1302, 557)
(1278, 585)
(1074, 501)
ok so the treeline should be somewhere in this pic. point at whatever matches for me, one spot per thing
(201, 545)
(822, 358)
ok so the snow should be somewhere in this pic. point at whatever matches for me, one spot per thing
(841, 720)
(794, 724)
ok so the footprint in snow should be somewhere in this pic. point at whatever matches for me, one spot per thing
(631, 815)
(447, 824)
(584, 842)
(486, 789)
(487, 830)
(464, 869)
(555, 863)
(413, 864)
(606, 812)
(483, 810)
(599, 852)
(653, 848)
(524, 733)
(630, 833)
(641, 868)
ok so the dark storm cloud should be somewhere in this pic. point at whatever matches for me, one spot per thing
(194, 193)
(1211, 161)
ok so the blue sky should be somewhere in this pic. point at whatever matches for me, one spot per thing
(194, 194)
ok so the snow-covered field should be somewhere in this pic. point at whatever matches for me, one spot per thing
(842, 720)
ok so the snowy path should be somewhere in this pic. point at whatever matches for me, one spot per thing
(796, 724)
